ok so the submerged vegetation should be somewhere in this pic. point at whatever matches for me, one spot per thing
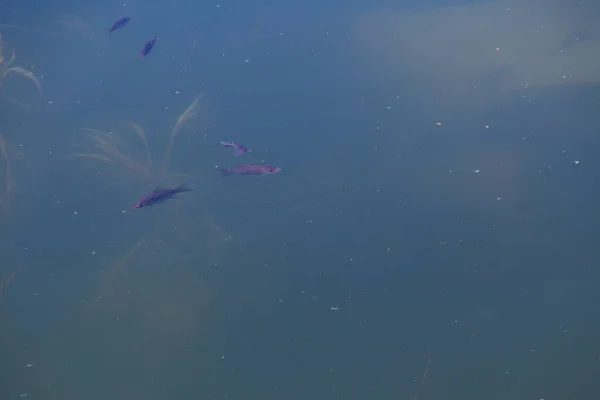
(112, 148)
(7, 68)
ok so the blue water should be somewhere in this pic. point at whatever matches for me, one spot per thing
(432, 234)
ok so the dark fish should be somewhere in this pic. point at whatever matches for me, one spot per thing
(239, 149)
(159, 195)
(251, 169)
(121, 22)
(148, 47)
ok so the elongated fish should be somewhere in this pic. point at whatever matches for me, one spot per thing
(251, 169)
(121, 22)
(238, 148)
(159, 195)
(148, 47)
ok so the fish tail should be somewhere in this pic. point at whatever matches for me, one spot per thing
(225, 172)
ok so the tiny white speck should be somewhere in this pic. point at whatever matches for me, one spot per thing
(334, 308)
(93, 253)
(477, 171)
(576, 162)
(50, 102)
(75, 212)
(177, 92)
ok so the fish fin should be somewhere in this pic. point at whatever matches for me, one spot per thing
(158, 189)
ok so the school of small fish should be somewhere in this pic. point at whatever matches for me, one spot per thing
(159, 195)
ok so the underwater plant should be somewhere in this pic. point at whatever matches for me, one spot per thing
(111, 148)
(8, 68)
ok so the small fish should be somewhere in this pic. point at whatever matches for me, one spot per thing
(239, 149)
(148, 47)
(159, 195)
(121, 22)
(251, 169)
